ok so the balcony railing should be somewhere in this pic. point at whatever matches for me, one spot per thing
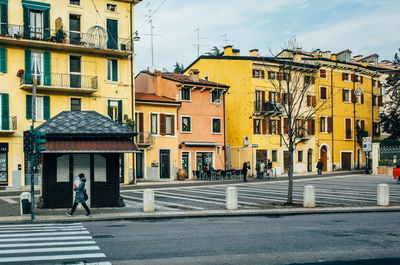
(10, 126)
(95, 41)
(267, 108)
(144, 138)
(62, 82)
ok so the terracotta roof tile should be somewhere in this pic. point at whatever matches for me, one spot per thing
(153, 97)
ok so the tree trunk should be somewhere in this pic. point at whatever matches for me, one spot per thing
(290, 174)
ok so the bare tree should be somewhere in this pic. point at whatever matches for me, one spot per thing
(293, 84)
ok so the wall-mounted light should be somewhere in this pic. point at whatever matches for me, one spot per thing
(136, 37)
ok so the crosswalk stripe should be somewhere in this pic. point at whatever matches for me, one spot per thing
(53, 257)
(165, 203)
(45, 234)
(43, 230)
(11, 201)
(44, 250)
(30, 239)
(87, 242)
(40, 225)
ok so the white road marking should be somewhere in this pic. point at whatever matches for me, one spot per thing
(45, 234)
(11, 201)
(83, 242)
(44, 250)
(53, 257)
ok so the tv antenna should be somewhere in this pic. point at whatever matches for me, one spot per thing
(225, 38)
(198, 41)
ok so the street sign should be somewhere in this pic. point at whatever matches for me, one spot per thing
(367, 144)
(254, 145)
(366, 153)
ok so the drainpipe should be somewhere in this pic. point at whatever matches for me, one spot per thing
(224, 127)
(133, 181)
(332, 148)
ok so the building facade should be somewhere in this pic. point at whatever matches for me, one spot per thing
(79, 53)
(200, 118)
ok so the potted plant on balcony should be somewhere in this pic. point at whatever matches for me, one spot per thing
(60, 36)
(20, 72)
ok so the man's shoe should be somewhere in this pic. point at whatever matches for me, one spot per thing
(89, 215)
(68, 213)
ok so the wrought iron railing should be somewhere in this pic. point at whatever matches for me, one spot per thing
(144, 138)
(95, 41)
(62, 80)
(267, 108)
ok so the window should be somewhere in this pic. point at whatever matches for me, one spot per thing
(39, 108)
(274, 127)
(37, 67)
(322, 73)
(346, 96)
(111, 7)
(271, 75)
(258, 73)
(323, 124)
(216, 125)
(216, 96)
(169, 125)
(272, 96)
(186, 124)
(185, 94)
(274, 156)
(322, 93)
(36, 25)
(75, 29)
(154, 123)
(75, 104)
(75, 71)
(257, 126)
(113, 109)
(300, 156)
(308, 80)
(42, 108)
(75, 2)
(345, 76)
(348, 132)
(112, 70)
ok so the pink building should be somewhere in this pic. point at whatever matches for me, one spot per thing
(201, 117)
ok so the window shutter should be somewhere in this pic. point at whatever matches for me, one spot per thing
(320, 123)
(3, 60)
(46, 24)
(343, 95)
(323, 92)
(343, 76)
(269, 96)
(162, 124)
(27, 19)
(373, 83)
(353, 96)
(28, 77)
(363, 124)
(47, 68)
(29, 107)
(353, 77)
(46, 107)
(278, 97)
(253, 73)
(5, 121)
(285, 126)
(309, 127)
(314, 101)
(264, 126)
(313, 80)
(312, 127)
(361, 79)
(330, 124)
(119, 119)
(114, 70)
(379, 83)
(141, 125)
(262, 74)
(362, 98)
(373, 100)
(269, 125)
(112, 32)
(308, 101)
(279, 126)
(173, 125)
(373, 129)
(254, 126)
(380, 101)
(263, 96)
(348, 129)
(4, 18)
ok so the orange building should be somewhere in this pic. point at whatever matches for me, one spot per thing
(200, 122)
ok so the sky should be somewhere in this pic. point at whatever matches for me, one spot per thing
(363, 26)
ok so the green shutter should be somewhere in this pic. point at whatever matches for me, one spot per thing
(120, 112)
(5, 121)
(27, 29)
(29, 107)
(4, 18)
(3, 60)
(112, 32)
(46, 24)
(28, 75)
(47, 68)
(114, 70)
(46, 107)
(109, 109)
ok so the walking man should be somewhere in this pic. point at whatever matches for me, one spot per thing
(320, 166)
(258, 168)
(80, 196)
(246, 166)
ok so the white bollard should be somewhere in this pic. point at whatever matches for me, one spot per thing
(383, 195)
(148, 201)
(231, 198)
(24, 195)
(309, 196)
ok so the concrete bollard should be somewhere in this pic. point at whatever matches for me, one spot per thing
(309, 196)
(24, 195)
(148, 201)
(231, 198)
(383, 195)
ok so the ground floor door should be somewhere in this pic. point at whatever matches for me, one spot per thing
(346, 160)
(165, 164)
(286, 161)
(185, 163)
(324, 158)
(262, 155)
(139, 165)
(204, 160)
(309, 160)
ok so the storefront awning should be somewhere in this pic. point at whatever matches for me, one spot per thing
(201, 144)
(91, 147)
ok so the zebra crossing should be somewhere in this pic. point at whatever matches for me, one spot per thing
(347, 191)
(41, 243)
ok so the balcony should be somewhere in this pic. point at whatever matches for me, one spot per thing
(144, 139)
(9, 127)
(96, 42)
(62, 83)
(267, 108)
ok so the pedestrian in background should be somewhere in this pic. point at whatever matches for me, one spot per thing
(320, 166)
(80, 196)
(258, 170)
(246, 166)
(262, 169)
(269, 168)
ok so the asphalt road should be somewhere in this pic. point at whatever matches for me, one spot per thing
(357, 238)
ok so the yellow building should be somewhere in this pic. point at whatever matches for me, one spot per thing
(157, 138)
(80, 53)
(256, 125)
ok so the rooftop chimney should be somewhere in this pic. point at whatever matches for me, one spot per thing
(194, 75)
(358, 57)
(254, 52)
(157, 82)
(228, 50)
(326, 54)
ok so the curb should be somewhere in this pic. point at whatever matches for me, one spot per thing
(200, 214)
